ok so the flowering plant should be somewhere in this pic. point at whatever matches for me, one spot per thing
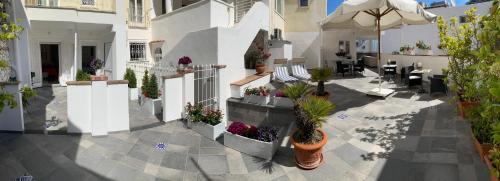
(197, 113)
(280, 93)
(238, 128)
(260, 91)
(96, 63)
(185, 60)
(267, 134)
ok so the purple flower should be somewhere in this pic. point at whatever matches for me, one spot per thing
(96, 63)
(185, 60)
(238, 128)
(267, 134)
(280, 94)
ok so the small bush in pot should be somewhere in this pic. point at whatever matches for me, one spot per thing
(207, 122)
(145, 82)
(258, 95)
(321, 75)
(130, 76)
(152, 88)
(82, 76)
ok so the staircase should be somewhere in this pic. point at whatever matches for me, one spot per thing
(241, 8)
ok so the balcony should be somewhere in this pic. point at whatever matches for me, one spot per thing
(139, 20)
(81, 5)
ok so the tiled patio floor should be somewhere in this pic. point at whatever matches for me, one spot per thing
(404, 137)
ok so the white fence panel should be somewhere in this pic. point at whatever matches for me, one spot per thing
(206, 91)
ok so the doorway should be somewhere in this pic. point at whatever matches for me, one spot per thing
(50, 63)
(88, 54)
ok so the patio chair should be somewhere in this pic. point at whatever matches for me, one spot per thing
(300, 72)
(437, 84)
(413, 79)
(390, 71)
(281, 73)
(342, 68)
(359, 66)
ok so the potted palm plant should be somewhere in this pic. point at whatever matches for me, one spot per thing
(308, 139)
(321, 75)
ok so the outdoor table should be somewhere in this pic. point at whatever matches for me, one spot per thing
(421, 72)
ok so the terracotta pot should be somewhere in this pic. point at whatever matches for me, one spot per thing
(490, 168)
(482, 149)
(260, 68)
(465, 106)
(309, 156)
(325, 97)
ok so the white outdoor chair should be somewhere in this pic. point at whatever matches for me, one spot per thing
(281, 73)
(300, 72)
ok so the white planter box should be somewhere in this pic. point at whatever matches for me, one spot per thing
(153, 105)
(282, 102)
(209, 131)
(253, 99)
(411, 52)
(424, 52)
(133, 93)
(252, 147)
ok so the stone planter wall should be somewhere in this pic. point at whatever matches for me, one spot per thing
(254, 99)
(209, 131)
(282, 102)
(252, 147)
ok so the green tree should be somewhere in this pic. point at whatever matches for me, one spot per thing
(145, 82)
(152, 87)
(9, 31)
(130, 76)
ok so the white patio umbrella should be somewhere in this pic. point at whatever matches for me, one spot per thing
(377, 15)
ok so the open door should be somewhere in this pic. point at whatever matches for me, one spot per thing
(49, 56)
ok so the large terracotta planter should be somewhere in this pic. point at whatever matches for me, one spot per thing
(482, 149)
(309, 156)
(260, 68)
(490, 168)
(465, 106)
(325, 97)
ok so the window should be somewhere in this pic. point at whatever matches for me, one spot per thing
(135, 11)
(279, 6)
(158, 54)
(137, 51)
(88, 2)
(303, 3)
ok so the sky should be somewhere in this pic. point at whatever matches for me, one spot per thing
(332, 4)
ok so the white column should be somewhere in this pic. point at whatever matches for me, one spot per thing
(168, 6)
(75, 56)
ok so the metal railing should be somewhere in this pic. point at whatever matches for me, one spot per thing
(89, 5)
(206, 86)
(160, 69)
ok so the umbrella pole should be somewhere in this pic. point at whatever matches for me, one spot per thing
(378, 59)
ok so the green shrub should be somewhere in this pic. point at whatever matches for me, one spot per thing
(321, 75)
(152, 88)
(82, 76)
(145, 83)
(28, 93)
(311, 113)
(130, 76)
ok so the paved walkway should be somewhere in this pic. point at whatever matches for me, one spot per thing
(404, 137)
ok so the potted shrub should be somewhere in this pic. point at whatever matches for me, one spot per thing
(423, 49)
(493, 163)
(259, 56)
(258, 95)
(458, 41)
(82, 76)
(184, 63)
(4, 71)
(481, 136)
(321, 75)
(260, 142)
(133, 91)
(281, 100)
(407, 50)
(207, 122)
(308, 140)
(151, 95)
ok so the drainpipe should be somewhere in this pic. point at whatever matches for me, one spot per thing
(75, 56)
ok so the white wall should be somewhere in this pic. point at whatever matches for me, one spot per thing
(307, 45)
(12, 119)
(392, 40)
